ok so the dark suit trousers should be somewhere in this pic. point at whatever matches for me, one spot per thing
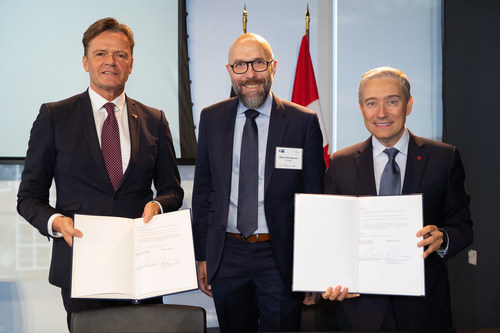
(249, 293)
(76, 304)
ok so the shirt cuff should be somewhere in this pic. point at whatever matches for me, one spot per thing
(52, 233)
(159, 205)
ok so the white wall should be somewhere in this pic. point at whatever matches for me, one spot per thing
(405, 34)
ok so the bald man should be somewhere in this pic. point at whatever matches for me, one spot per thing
(243, 208)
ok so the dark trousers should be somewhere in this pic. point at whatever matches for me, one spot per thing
(390, 321)
(367, 313)
(249, 293)
(76, 304)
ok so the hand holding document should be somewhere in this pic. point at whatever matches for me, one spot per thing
(367, 244)
(120, 258)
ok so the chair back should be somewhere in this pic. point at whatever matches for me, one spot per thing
(141, 318)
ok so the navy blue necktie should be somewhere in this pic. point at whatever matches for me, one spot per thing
(390, 182)
(249, 176)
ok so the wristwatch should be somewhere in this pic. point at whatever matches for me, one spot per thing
(443, 249)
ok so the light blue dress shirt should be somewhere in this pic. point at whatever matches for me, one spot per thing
(380, 158)
(262, 122)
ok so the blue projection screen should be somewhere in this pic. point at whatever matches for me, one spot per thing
(41, 59)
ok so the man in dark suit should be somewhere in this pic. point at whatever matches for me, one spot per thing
(103, 157)
(422, 166)
(246, 264)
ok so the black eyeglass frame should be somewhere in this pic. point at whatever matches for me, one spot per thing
(252, 63)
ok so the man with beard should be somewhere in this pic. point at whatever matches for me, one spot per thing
(255, 151)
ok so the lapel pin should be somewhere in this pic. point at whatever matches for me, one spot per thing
(135, 116)
(419, 158)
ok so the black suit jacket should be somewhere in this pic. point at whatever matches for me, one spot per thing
(435, 170)
(64, 147)
(290, 125)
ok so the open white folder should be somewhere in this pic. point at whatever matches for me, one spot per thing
(367, 244)
(120, 258)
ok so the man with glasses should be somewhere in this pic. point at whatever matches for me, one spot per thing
(255, 151)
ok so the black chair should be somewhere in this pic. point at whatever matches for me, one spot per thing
(141, 318)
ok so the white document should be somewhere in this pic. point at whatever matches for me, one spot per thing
(120, 258)
(367, 244)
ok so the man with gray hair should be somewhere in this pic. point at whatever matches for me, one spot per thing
(393, 161)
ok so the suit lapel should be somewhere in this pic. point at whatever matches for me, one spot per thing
(415, 164)
(278, 123)
(224, 142)
(84, 109)
(364, 168)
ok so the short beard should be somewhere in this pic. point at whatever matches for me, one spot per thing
(253, 102)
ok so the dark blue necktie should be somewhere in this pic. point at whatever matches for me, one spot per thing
(249, 176)
(390, 183)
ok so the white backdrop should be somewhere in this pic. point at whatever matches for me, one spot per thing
(405, 34)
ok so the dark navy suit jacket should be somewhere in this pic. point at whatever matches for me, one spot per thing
(435, 170)
(290, 125)
(64, 147)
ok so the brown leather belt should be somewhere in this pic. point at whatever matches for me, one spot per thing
(257, 238)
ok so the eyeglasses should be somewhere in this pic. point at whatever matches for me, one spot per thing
(259, 65)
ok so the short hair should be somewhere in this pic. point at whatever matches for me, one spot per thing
(385, 72)
(106, 24)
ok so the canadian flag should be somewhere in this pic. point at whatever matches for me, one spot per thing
(305, 91)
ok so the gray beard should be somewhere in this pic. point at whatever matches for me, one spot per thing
(253, 102)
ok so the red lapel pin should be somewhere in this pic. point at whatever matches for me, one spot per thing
(419, 158)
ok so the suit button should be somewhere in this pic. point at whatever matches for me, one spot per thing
(115, 197)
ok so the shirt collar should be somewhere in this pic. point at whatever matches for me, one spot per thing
(401, 145)
(98, 101)
(264, 109)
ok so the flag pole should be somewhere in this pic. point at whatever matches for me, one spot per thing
(308, 19)
(245, 19)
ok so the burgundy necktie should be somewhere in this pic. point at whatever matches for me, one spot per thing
(110, 146)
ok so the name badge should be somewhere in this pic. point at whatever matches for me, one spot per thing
(288, 158)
